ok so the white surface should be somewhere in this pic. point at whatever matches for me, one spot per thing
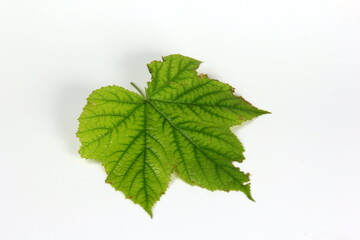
(298, 59)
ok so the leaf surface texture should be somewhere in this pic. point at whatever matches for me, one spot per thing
(182, 125)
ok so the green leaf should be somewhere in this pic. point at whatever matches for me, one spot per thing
(182, 125)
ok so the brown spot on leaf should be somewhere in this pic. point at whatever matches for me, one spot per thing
(202, 75)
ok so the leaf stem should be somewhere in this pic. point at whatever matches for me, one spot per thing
(138, 89)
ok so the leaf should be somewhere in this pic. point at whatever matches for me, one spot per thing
(182, 125)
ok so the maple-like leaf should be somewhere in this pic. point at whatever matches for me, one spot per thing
(182, 125)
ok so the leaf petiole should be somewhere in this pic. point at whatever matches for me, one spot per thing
(138, 89)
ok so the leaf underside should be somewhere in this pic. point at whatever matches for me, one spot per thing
(182, 125)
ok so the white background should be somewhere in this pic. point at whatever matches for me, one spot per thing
(298, 59)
